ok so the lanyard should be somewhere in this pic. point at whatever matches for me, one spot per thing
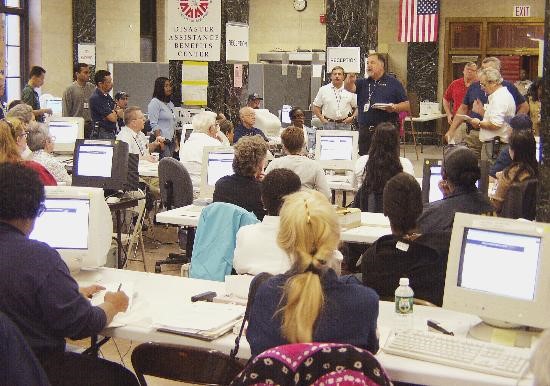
(139, 146)
(337, 96)
(376, 83)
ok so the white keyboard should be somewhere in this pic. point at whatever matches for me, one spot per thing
(337, 178)
(458, 352)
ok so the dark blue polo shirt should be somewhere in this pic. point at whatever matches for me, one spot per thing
(387, 89)
(102, 105)
(241, 131)
(475, 92)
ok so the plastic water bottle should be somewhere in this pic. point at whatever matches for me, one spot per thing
(404, 297)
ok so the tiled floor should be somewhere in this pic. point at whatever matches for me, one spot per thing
(161, 240)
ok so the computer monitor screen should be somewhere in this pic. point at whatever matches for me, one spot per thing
(69, 214)
(56, 104)
(101, 164)
(538, 151)
(66, 131)
(217, 163)
(498, 269)
(432, 175)
(336, 149)
(77, 223)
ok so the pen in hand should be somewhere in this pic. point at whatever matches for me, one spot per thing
(119, 287)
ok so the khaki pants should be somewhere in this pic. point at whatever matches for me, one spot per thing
(473, 142)
(460, 133)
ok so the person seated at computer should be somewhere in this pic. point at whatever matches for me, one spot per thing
(247, 116)
(297, 119)
(540, 360)
(205, 133)
(310, 172)
(243, 187)
(524, 166)
(406, 252)
(459, 172)
(41, 144)
(519, 122)
(40, 296)
(226, 127)
(360, 169)
(256, 248)
(383, 162)
(19, 365)
(310, 303)
(10, 131)
(24, 114)
(132, 134)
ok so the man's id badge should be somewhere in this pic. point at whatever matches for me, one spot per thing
(367, 107)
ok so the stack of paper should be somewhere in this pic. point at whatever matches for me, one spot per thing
(202, 320)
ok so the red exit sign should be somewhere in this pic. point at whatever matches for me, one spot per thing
(522, 11)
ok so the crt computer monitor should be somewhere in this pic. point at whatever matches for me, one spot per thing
(285, 115)
(336, 149)
(498, 269)
(217, 162)
(431, 175)
(104, 164)
(66, 131)
(56, 104)
(77, 223)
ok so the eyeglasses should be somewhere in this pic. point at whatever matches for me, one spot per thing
(485, 84)
(41, 210)
(52, 138)
(23, 134)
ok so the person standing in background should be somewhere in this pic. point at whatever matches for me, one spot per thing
(76, 98)
(102, 106)
(534, 97)
(455, 94)
(523, 83)
(30, 96)
(334, 105)
(161, 115)
(380, 88)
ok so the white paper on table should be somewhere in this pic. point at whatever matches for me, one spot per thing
(121, 318)
(199, 316)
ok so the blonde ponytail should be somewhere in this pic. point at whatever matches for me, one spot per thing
(309, 232)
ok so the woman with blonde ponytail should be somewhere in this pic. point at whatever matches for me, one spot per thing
(310, 303)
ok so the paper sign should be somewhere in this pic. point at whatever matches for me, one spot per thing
(193, 30)
(236, 43)
(316, 70)
(194, 83)
(86, 54)
(349, 58)
(238, 75)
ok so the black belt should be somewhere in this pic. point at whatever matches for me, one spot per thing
(335, 120)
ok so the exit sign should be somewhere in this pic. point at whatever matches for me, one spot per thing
(522, 11)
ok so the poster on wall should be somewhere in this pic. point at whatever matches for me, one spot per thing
(86, 54)
(236, 43)
(349, 58)
(193, 30)
(194, 83)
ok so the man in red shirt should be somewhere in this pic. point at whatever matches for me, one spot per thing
(456, 91)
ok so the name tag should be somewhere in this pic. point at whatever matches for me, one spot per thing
(402, 246)
(85, 105)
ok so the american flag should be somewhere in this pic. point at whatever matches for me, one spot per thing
(418, 20)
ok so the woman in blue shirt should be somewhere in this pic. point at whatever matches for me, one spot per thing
(161, 115)
(310, 303)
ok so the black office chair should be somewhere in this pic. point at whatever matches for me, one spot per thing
(176, 190)
(520, 201)
(185, 364)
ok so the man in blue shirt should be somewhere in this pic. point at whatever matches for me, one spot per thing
(380, 88)
(40, 296)
(102, 107)
(246, 127)
(473, 106)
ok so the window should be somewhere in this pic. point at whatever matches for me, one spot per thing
(13, 46)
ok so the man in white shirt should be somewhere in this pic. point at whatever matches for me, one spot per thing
(206, 132)
(334, 105)
(500, 110)
(132, 134)
(256, 249)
